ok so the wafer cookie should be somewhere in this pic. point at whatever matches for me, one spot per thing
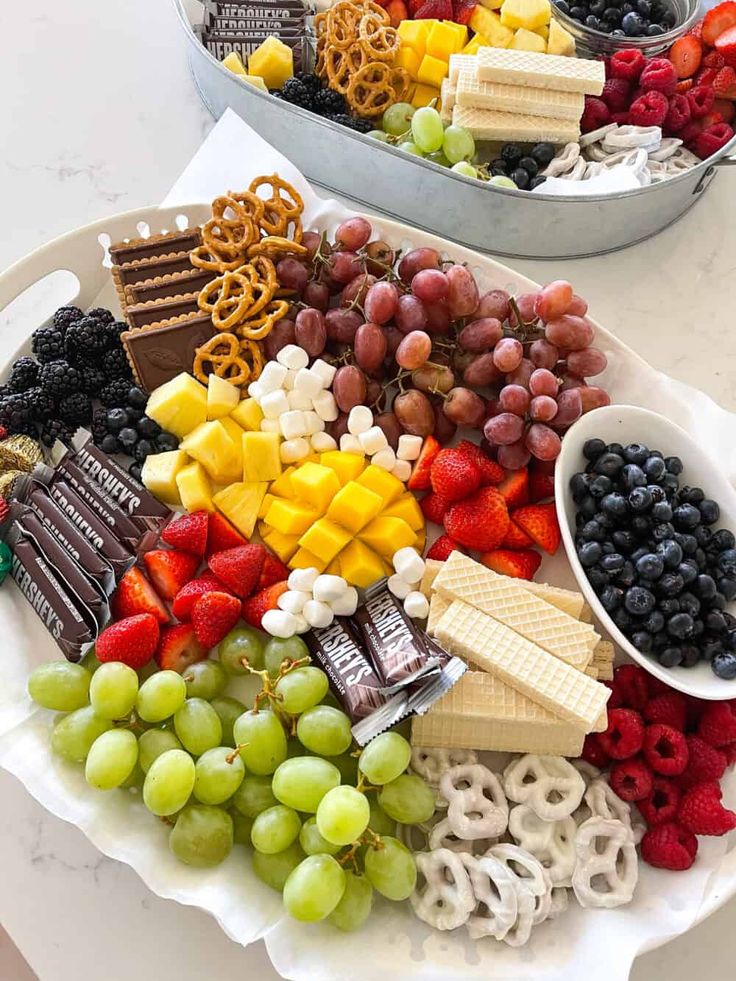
(431, 570)
(502, 127)
(517, 98)
(564, 599)
(461, 63)
(542, 71)
(438, 605)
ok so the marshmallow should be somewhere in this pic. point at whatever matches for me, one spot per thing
(292, 450)
(271, 379)
(293, 600)
(299, 400)
(323, 443)
(327, 589)
(293, 357)
(360, 420)
(373, 440)
(313, 422)
(293, 423)
(325, 371)
(385, 459)
(408, 564)
(402, 470)
(303, 579)
(309, 382)
(409, 447)
(319, 614)
(273, 404)
(271, 425)
(396, 585)
(289, 380)
(256, 392)
(416, 605)
(351, 444)
(347, 604)
(301, 624)
(325, 406)
(279, 623)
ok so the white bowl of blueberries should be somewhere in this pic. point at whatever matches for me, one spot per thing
(648, 524)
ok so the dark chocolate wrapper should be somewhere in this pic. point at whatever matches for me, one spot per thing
(282, 10)
(220, 46)
(353, 677)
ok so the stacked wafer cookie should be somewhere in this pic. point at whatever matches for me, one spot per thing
(501, 94)
(537, 659)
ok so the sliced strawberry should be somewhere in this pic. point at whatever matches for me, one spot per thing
(178, 648)
(434, 507)
(397, 11)
(490, 471)
(239, 568)
(132, 641)
(463, 10)
(213, 616)
(189, 594)
(134, 595)
(724, 86)
(718, 21)
(273, 571)
(170, 569)
(514, 488)
(221, 535)
(420, 479)
(541, 480)
(443, 548)
(480, 521)
(684, 85)
(515, 538)
(686, 54)
(434, 10)
(264, 600)
(521, 565)
(188, 532)
(539, 521)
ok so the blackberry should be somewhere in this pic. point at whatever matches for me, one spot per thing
(114, 329)
(102, 315)
(58, 378)
(359, 125)
(16, 415)
(327, 102)
(47, 343)
(297, 93)
(66, 316)
(85, 341)
(91, 379)
(42, 405)
(115, 365)
(309, 81)
(23, 375)
(76, 408)
(54, 429)
(115, 392)
(99, 425)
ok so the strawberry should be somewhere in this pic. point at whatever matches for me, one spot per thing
(541, 481)
(724, 84)
(518, 564)
(188, 532)
(397, 11)
(170, 569)
(213, 616)
(414, 5)
(132, 641)
(273, 571)
(714, 60)
(189, 594)
(686, 54)
(178, 648)
(463, 10)
(454, 475)
(434, 507)
(434, 10)
(718, 20)
(480, 521)
(515, 537)
(239, 568)
(134, 595)
(514, 488)
(264, 600)
(490, 471)
(711, 119)
(420, 479)
(443, 547)
(221, 535)
(539, 521)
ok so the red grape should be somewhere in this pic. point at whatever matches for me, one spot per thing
(572, 333)
(593, 398)
(414, 350)
(515, 399)
(310, 241)
(292, 274)
(342, 325)
(569, 408)
(504, 428)
(543, 382)
(444, 428)
(465, 408)
(374, 393)
(317, 295)
(430, 285)
(343, 266)
(417, 259)
(433, 378)
(513, 456)
(543, 408)
(525, 302)
(542, 354)
(380, 257)
(507, 354)
(438, 318)
(370, 347)
(281, 334)
(410, 314)
(481, 371)
(462, 297)
(391, 427)
(311, 331)
(572, 381)
(554, 299)
(522, 374)
(393, 339)
(357, 289)
(353, 233)
(480, 335)
(578, 307)
(494, 303)
(339, 427)
(414, 411)
(381, 302)
(349, 387)
(542, 442)
(586, 363)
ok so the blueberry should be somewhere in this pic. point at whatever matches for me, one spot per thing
(165, 443)
(661, 511)
(520, 177)
(614, 504)
(589, 554)
(731, 621)
(638, 553)
(715, 622)
(622, 619)
(635, 452)
(728, 588)
(670, 552)
(705, 587)
(593, 448)
(530, 165)
(731, 640)
(611, 597)
(701, 559)
(632, 25)
(148, 428)
(612, 16)
(598, 579)
(689, 604)
(600, 486)
(710, 512)
(690, 655)
(623, 540)
(598, 6)
(110, 444)
(618, 33)
(627, 576)
(650, 566)
(592, 22)
(143, 449)
(698, 627)
(688, 570)
(668, 19)
(615, 448)
(133, 414)
(703, 535)
(544, 153)
(562, 6)
(536, 181)
(654, 623)
(639, 601)
(499, 166)
(659, 641)
(128, 438)
(115, 420)
(608, 549)
(640, 525)
(670, 657)
(654, 469)
(657, 492)
(669, 606)
(592, 532)
(589, 506)
(663, 532)
(613, 562)
(137, 398)
(632, 476)
(718, 602)
(512, 154)
(640, 499)
(609, 464)
(644, 7)
(691, 495)
(723, 539)
(686, 517)
(579, 486)
(670, 584)
(724, 666)
(136, 471)
(688, 543)
(642, 641)
(670, 483)
(605, 521)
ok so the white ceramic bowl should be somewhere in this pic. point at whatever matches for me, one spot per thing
(630, 424)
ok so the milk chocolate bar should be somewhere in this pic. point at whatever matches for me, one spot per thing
(256, 22)
(141, 270)
(164, 287)
(145, 314)
(220, 46)
(167, 243)
(285, 10)
(158, 354)
(353, 677)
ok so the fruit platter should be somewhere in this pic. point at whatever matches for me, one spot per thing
(497, 110)
(292, 628)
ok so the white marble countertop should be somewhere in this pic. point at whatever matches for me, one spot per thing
(99, 115)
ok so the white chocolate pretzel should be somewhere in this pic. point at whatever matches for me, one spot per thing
(552, 843)
(550, 785)
(495, 891)
(447, 899)
(531, 873)
(477, 806)
(604, 877)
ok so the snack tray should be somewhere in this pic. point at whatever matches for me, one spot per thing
(383, 178)
(118, 825)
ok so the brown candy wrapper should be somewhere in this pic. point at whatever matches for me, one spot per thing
(353, 677)
(221, 45)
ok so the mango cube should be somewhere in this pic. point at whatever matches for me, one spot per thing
(240, 503)
(273, 61)
(354, 506)
(289, 517)
(525, 40)
(408, 59)
(526, 14)
(445, 39)
(488, 24)
(179, 405)
(477, 41)
(315, 484)
(382, 483)
(414, 34)
(333, 569)
(387, 535)
(360, 565)
(283, 545)
(159, 474)
(261, 458)
(423, 95)
(195, 490)
(234, 63)
(222, 397)
(325, 539)
(304, 559)
(248, 415)
(281, 487)
(347, 466)
(210, 444)
(431, 71)
(407, 508)
(560, 41)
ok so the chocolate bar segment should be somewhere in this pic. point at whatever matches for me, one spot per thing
(164, 287)
(145, 314)
(155, 246)
(221, 45)
(353, 677)
(158, 354)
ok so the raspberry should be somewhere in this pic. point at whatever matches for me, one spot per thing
(616, 94)
(631, 779)
(714, 60)
(669, 709)
(632, 684)
(627, 63)
(434, 507)
(690, 132)
(724, 84)
(701, 100)
(665, 750)
(656, 687)
(669, 846)
(615, 701)
(711, 140)
(649, 110)
(678, 114)
(624, 736)
(702, 813)
(704, 763)
(659, 74)
(712, 119)
(717, 725)
(621, 118)
(695, 708)
(706, 77)
(726, 108)
(730, 753)
(595, 114)
(660, 806)
(593, 752)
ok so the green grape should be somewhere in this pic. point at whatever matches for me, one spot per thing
(385, 758)
(324, 730)
(274, 829)
(342, 815)
(169, 782)
(228, 709)
(458, 144)
(391, 869)
(217, 775)
(242, 827)
(355, 906)
(380, 823)
(397, 118)
(379, 135)
(280, 649)
(500, 180)
(301, 689)
(198, 726)
(60, 686)
(314, 888)
(135, 778)
(274, 870)
(154, 742)
(427, 129)
(303, 781)
(160, 696)
(347, 764)
(74, 734)
(312, 841)
(439, 158)
(111, 759)
(239, 643)
(202, 836)
(113, 690)
(205, 679)
(407, 799)
(263, 740)
(90, 661)
(254, 795)
(464, 168)
(408, 146)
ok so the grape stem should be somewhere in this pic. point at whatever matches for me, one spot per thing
(364, 787)
(527, 331)
(268, 693)
(232, 757)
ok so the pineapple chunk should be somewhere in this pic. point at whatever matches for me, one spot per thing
(234, 64)
(159, 474)
(222, 397)
(528, 41)
(256, 81)
(195, 489)
(281, 487)
(235, 432)
(387, 535)
(488, 24)
(560, 41)
(360, 565)
(248, 415)
(179, 405)
(211, 445)
(526, 14)
(543, 31)
(265, 505)
(261, 458)
(240, 503)
(273, 61)
(424, 95)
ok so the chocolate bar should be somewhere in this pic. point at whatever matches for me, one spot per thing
(352, 675)
(145, 314)
(285, 10)
(164, 287)
(167, 243)
(157, 354)
(220, 46)
(260, 22)
(142, 270)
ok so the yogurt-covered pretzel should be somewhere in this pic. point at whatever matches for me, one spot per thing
(530, 873)
(666, 148)
(477, 806)
(442, 836)
(560, 902)
(430, 764)
(563, 162)
(495, 892)
(604, 877)
(447, 899)
(596, 135)
(550, 785)
(552, 843)
(520, 932)
(631, 137)
(586, 770)
(605, 803)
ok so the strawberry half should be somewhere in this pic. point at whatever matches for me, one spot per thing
(188, 532)
(520, 564)
(490, 471)
(170, 569)
(514, 488)
(263, 601)
(541, 481)
(134, 595)
(420, 478)
(213, 616)
(221, 535)
(686, 54)
(443, 548)
(189, 594)
(132, 641)
(178, 648)
(434, 507)
(454, 475)
(515, 538)
(239, 568)
(273, 571)
(717, 21)
(539, 521)
(480, 521)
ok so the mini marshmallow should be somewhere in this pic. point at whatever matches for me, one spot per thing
(293, 600)
(416, 605)
(385, 459)
(323, 442)
(373, 440)
(327, 589)
(360, 420)
(351, 444)
(313, 422)
(256, 392)
(325, 406)
(408, 564)
(293, 357)
(325, 371)
(279, 623)
(309, 382)
(319, 614)
(271, 425)
(289, 380)
(292, 450)
(273, 404)
(293, 424)
(396, 585)
(402, 470)
(299, 400)
(409, 447)
(271, 379)
(303, 579)
(347, 604)
(301, 624)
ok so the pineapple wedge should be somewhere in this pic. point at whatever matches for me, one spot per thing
(211, 446)
(525, 14)
(248, 415)
(240, 503)
(159, 474)
(525, 40)
(179, 405)
(261, 456)
(560, 41)
(194, 487)
(222, 397)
